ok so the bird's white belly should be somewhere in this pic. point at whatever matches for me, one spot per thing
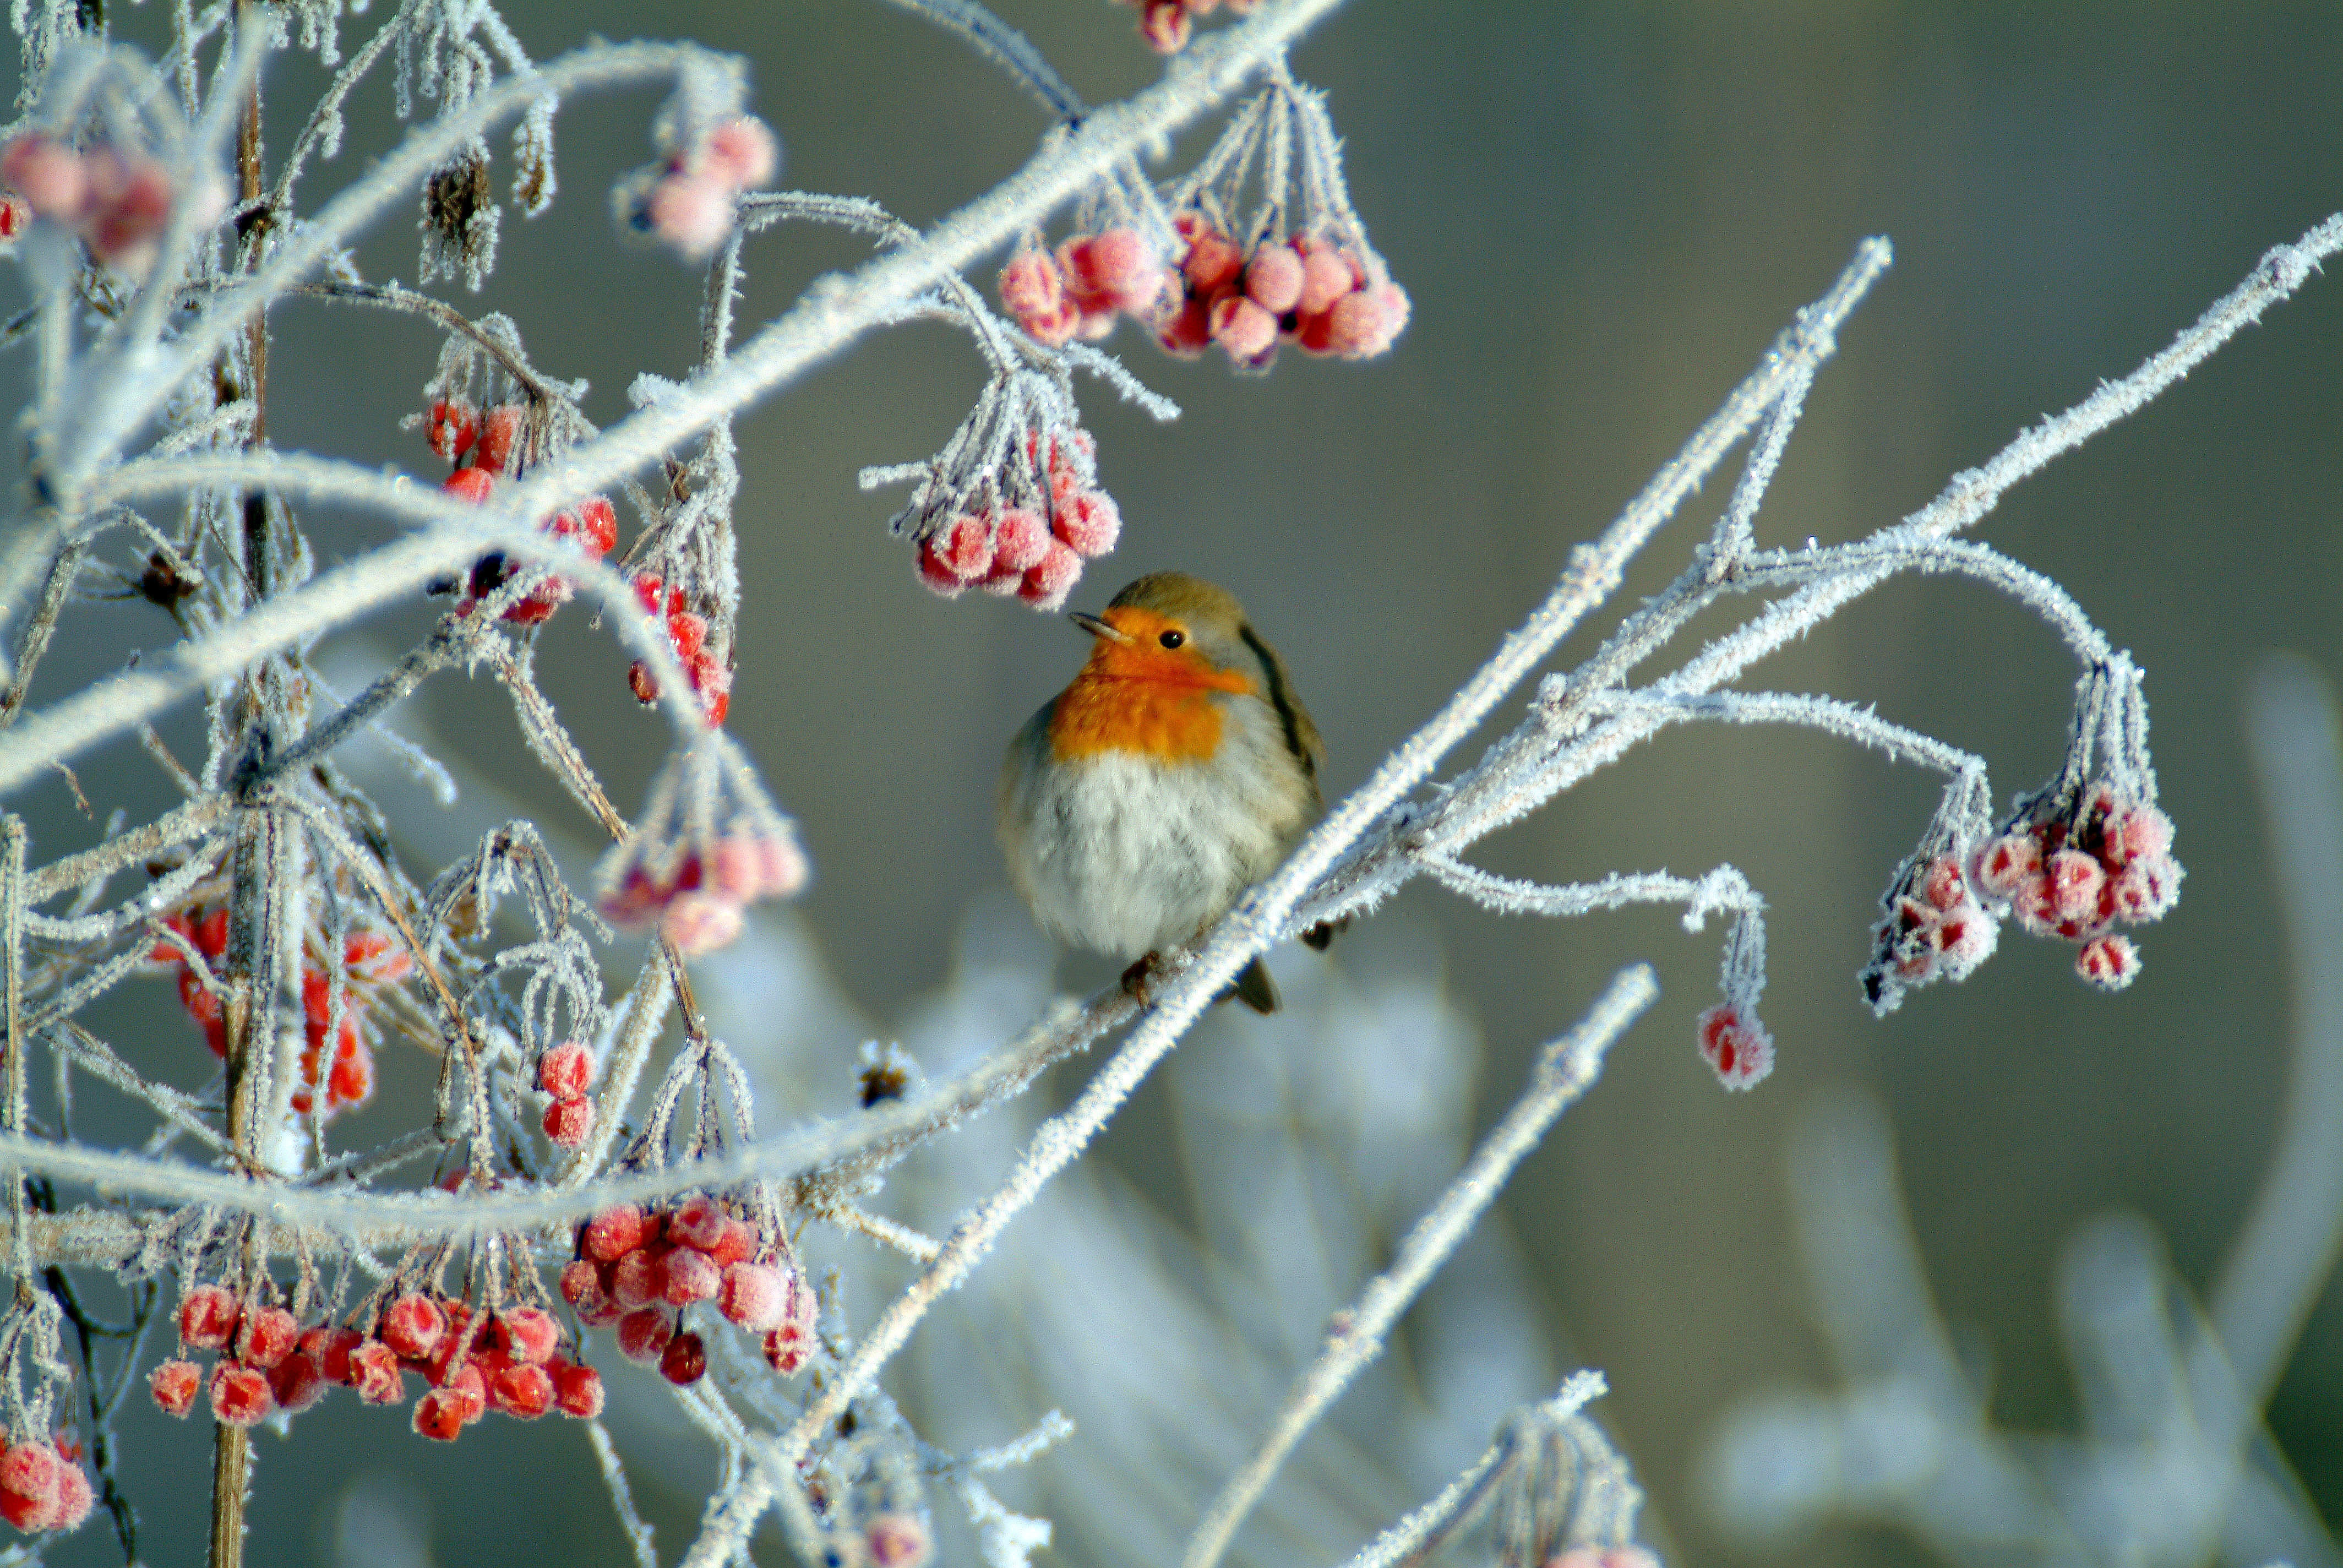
(1121, 853)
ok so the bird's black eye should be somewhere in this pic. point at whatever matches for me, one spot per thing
(1172, 639)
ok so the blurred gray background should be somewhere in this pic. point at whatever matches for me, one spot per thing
(1602, 213)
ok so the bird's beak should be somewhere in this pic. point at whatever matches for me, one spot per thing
(1097, 627)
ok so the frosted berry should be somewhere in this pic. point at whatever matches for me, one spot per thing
(742, 152)
(754, 1295)
(30, 1478)
(634, 1280)
(737, 1244)
(376, 1374)
(616, 1231)
(897, 1541)
(697, 923)
(414, 1327)
(576, 1391)
(569, 1122)
(455, 426)
(74, 1496)
(700, 1223)
(1047, 585)
(207, 1318)
(566, 1072)
(440, 1415)
(527, 1334)
(685, 1359)
(1089, 523)
(473, 485)
(644, 1334)
(1273, 278)
(240, 1395)
(1740, 1053)
(689, 1276)
(174, 1383)
(269, 1335)
(525, 1390)
(786, 1347)
(500, 427)
(2109, 963)
(296, 1383)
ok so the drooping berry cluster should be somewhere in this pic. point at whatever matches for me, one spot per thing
(506, 1361)
(42, 1486)
(708, 842)
(1934, 927)
(687, 200)
(345, 1067)
(2074, 874)
(641, 1270)
(490, 442)
(115, 200)
(565, 1073)
(1307, 291)
(710, 680)
(1165, 23)
(1033, 551)
(1080, 291)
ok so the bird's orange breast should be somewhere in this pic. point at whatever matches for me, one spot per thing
(1141, 697)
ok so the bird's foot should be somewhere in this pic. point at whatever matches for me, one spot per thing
(1142, 974)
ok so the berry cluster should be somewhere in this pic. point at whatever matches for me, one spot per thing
(347, 1066)
(1306, 291)
(699, 908)
(687, 201)
(640, 1271)
(1033, 551)
(689, 633)
(708, 842)
(43, 1485)
(457, 431)
(1078, 292)
(508, 1361)
(117, 202)
(566, 1072)
(1934, 929)
(1739, 1051)
(1164, 24)
(2074, 873)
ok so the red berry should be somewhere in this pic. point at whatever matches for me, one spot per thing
(1740, 1053)
(635, 1279)
(755, 1296)
(525, 1390)
(786, 1347)
(1272, 278)
(472, 485)
(414, 1327)
(685, 1359)
(742, 152)
(74, 1497)
(600, 521)
(644, 1334)
(576, 1391)
(566, 1072)
(336, 1360)
(174, 1383)
(642, 683)
(1212, 264)
(240, 1394)
(296, 1383)
(616, 1231)
(469, 1388)
(454, 424)
(30, 1478)
(498, 427)
(527, 1334)
(207, 1318)
(268, 1336)
(689, 632)
(689, 1276)
(376, 1374)
(440, 1415)
(569, 1122)
(2109, 963)
(698, 1224)
(1089, 522)
(738, 1243)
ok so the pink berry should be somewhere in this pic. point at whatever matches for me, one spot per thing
(566, 1072)
(699, 1223)
(634, 1280)
(2109, 963)
(1942, 886)
(755, 1296)
(1741, 1053)
(692, 212)
(743, 152)
(1363, 324)
(1243, 328)
(174, 1383)
(30, 1478)
(786, 1347)
(897, 1541)
(48, 174)
(2075, 880)
(699, 924)
(2141, 833)
(965, 547)
(1188, 331)
(1273, 278)
(74, 1497)
(1047, 585)
(1325, 279)
(689, 1276)
(376, 1374)
(1020, 539)
(616, 1231)
(1089, 522)
(737, 1244)
(1029, 284)
(1117, 267)
(2147, 887)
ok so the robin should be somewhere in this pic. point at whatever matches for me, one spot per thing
(1174, 773)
